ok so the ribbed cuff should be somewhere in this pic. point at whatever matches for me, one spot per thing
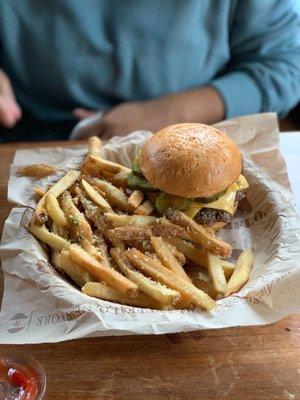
(240, 93)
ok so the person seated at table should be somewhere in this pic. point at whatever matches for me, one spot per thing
(147, 64)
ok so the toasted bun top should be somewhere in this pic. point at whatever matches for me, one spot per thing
(190, 160)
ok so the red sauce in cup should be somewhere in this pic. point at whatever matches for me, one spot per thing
(19, 381)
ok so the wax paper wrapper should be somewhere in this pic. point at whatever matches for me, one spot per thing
(39, 305)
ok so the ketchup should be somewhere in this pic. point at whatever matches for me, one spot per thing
(18, 382)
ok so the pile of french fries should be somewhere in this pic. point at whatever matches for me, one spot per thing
(109, 241)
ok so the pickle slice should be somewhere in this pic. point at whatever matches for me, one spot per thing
(165, 201)
(136, 168)
(211, 199)
(136, 182)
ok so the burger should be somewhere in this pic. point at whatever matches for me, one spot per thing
(194, 168)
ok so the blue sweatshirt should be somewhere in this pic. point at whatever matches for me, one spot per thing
(61, 54)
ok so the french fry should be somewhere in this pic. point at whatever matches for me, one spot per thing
(133, 234)
(148, 286)
(94, 146)
(114, 239)
(40, 215)
(37, 170)
(101, 246)
(179, 256)
(167, 258)
(99, 191)
(81, 229)
(55, 261)
(93, 213)
(97, 165)
(199, 256)
(129, 220)
(91, 249)
(241, 272)
(228, 268)
(91, 209)
(113, 194)
(199, 234)
(190, 251)
(54, 229)
(136, 198)
(206, 286)
(78, 275)
(54, 241)
(101, 273)
(104, 292)
(216, 273)
(119, 179)
(129, 233)
(157, 271)
(60, 231)
(54, 210)
(164, 228)
(145, 208)
(143, 245)
(96, 196)
(39, 192)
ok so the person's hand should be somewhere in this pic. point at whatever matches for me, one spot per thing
(200, 105)
(127, 117)
(10, 111)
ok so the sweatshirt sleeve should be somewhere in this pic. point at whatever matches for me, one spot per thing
(264, 70)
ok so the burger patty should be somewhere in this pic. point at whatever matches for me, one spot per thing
(239, 195)
(209, 216)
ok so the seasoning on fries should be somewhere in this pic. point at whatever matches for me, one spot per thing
(199, 234)
(37, 170)
(96, 196)
(156, 270)
(145, 208)
(102, 273)
(79, 227)
(152, 288)
(40, 215)
(167, 258)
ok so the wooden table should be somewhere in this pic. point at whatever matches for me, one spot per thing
(237, 363)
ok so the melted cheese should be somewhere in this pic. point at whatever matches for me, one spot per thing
(225, 202)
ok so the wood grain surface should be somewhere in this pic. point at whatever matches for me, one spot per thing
(237, 363)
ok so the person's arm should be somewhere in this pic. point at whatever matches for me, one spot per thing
(264, 71)
(10, 111)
